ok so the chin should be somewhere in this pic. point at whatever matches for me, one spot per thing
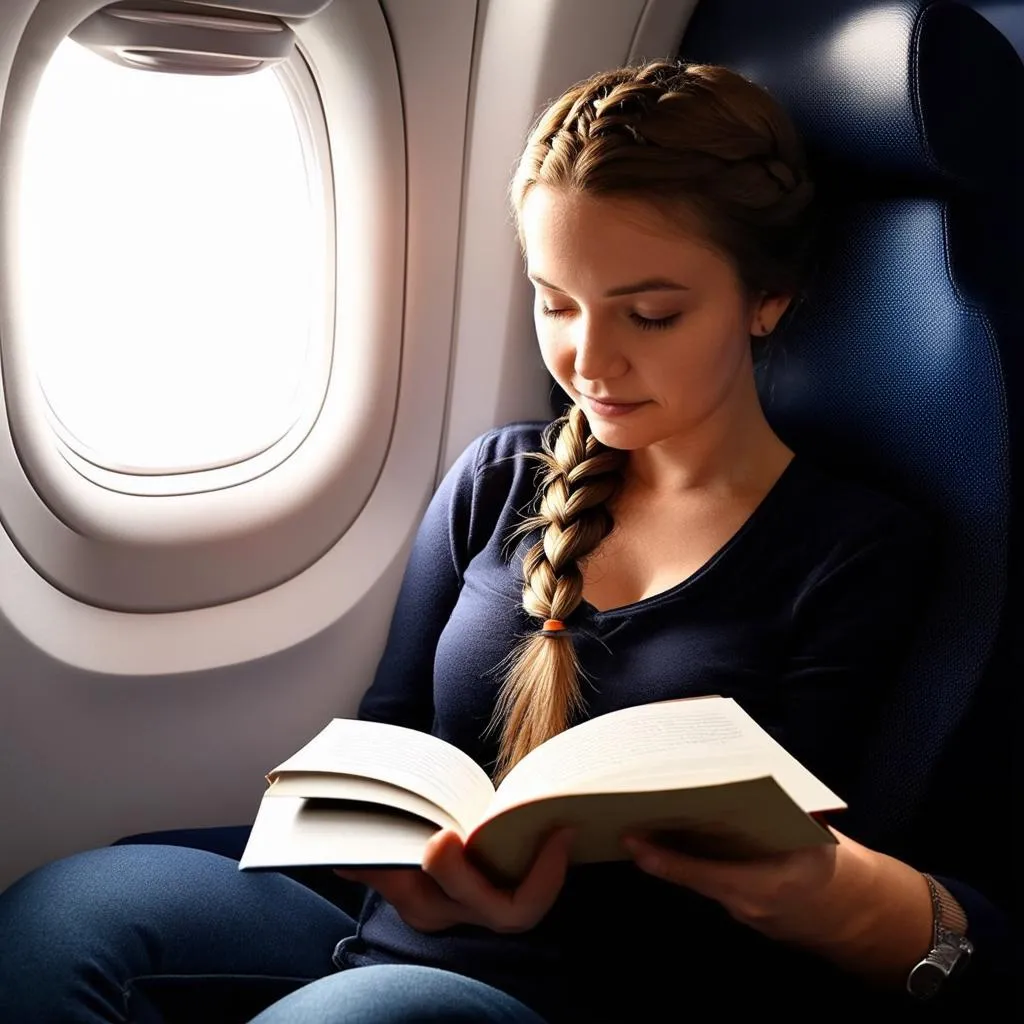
(624, 436)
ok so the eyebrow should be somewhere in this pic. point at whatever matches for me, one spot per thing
(648, 284)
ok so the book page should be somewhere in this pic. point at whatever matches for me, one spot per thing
(290, 831)
(665, 745)
(413, 760)
(356, 789)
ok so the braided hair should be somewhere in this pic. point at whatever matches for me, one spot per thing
(580, 476)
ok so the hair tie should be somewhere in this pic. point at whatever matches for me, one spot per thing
(552, 627)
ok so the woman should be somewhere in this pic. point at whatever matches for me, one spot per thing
(678, 548)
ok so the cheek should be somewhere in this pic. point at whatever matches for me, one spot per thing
(706, 355)
(555, 351)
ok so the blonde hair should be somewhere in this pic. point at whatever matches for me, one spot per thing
(692, 140)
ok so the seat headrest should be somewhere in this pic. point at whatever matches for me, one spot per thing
(925, 90)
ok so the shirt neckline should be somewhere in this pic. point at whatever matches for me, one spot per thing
(756, 516)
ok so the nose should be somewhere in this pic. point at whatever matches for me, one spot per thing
(597, 353)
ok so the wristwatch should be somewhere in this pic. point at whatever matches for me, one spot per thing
(950, 948)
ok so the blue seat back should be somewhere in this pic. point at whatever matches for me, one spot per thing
(902, 366)
(1007, 16)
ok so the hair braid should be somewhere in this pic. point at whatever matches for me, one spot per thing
(541, 691)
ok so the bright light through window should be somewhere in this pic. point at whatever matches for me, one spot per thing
(173, 262)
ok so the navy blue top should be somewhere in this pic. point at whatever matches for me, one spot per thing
(802, 617)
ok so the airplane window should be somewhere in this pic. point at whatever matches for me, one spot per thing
(173, 262)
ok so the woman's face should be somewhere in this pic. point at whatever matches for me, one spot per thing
(645, 327)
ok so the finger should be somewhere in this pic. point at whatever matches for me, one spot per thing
(420, 902)
(499, 909)
(446, 863)
(404, 888)
(374, 878)
(353, 874)
(539, 890)
(707, 877)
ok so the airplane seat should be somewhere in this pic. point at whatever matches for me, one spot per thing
(903, 368)
(1008, 17)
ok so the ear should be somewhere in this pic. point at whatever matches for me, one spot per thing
(766, 312)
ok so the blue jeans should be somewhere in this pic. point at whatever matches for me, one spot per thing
(111, 934)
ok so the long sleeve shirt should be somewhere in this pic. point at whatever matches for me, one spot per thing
(802, 616)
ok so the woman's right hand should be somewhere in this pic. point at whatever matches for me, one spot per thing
(449, 890)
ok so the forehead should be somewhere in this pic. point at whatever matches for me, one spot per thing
(585, 241)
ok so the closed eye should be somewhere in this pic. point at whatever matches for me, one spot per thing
(645, 323)
(653, 324)
(548, 311)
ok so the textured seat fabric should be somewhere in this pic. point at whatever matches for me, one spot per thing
(903, 367)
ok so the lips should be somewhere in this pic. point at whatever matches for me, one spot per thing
(610, 406)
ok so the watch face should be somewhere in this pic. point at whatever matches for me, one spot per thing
(925, 979)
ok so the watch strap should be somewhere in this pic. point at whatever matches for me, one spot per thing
(947, 914)
(950, 948)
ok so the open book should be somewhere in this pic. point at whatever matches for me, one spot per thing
(700, 772)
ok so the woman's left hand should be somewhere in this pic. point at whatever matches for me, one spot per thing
(862, 909)
(785, 897)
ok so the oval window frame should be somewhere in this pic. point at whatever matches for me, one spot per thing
(160, 552)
